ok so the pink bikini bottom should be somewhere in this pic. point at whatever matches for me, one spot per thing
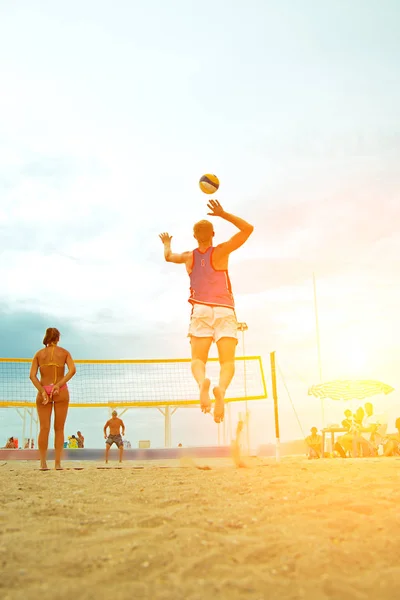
(49, 388)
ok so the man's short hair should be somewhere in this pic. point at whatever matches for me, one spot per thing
(203, 230)
(114, 412)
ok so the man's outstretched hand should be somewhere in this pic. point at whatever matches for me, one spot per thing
(216, 208)
(165, 238)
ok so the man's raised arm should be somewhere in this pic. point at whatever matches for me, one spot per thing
(168, 254)
(239, 238)
(241, 224)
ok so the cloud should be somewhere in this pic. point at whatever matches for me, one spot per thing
(103, 336)
(22, 332)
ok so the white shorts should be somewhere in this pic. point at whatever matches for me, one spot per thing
(213, 321)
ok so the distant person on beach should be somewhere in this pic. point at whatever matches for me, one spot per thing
(348, 420)
(52, 390)
(358, 418)
(371, 421)
(373, 427)
(348, 424)
(81, 439)
(10, 444)
(368, 429)
(369, 413)
(357, 439)
(391, 442)
(213, 315)
(314, 442)
(115, 424)
(73, 442)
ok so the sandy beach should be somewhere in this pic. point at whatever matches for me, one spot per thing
(151, 530)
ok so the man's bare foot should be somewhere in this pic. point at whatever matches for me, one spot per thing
(106, 462)
(58, 467)
(43, 466)
(205, 402)
(219, 408)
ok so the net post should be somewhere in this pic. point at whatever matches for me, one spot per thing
(167, 422)
(276, 414)
(23, 429)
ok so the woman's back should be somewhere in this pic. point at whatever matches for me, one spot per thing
(52, 360)
(52, 392)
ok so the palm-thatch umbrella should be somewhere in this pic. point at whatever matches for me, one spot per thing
(349, 390)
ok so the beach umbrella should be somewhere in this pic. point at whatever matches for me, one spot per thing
(349, 390)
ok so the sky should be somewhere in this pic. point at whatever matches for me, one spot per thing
(111, 112)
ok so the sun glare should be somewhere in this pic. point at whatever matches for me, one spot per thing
(351, 357)
(356, 357)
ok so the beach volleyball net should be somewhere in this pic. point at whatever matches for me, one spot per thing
(130, 383)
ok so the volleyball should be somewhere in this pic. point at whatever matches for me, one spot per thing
(209, 183)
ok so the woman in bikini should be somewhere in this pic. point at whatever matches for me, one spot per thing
(52, 389)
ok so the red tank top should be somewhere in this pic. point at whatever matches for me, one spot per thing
(207, 285)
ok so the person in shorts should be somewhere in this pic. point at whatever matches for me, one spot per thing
(313, 442)
(81, 439)
(391, 443)
(213, 317)
(116, 426)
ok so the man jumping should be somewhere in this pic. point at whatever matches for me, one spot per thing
(213, 315)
